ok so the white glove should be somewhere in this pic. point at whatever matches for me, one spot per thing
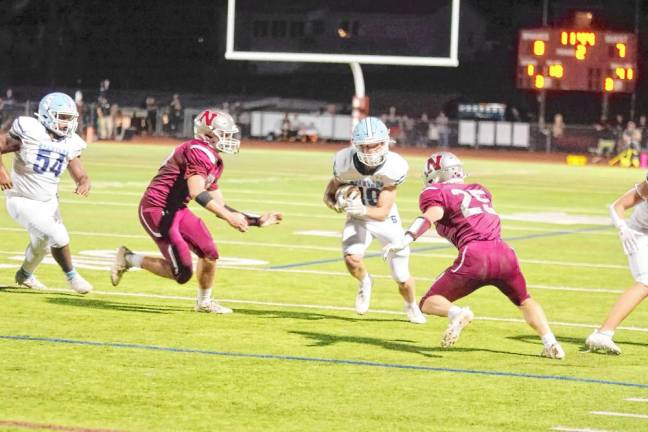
(354, 207)
(393, 248)
(628, 238)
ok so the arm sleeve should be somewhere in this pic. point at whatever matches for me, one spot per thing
(431, 197)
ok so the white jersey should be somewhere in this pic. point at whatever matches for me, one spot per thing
(639, 219)
(371, 181)
(41, 159)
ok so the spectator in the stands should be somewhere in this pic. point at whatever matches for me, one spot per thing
(643, 128)
(605, 140)
(422, 130)
(176, 112)
(104, 118)
(78, 100)
(631, 137)
(151, 115)
(443, 130)
(286, 127)
(9, 98)
(558, 126)
(618, 126)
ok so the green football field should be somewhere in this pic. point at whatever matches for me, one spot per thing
(294, 356)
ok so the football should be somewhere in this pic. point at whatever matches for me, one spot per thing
(346, 193)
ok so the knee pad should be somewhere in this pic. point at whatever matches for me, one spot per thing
(399, 267)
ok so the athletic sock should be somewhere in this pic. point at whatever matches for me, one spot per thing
(204, 295)
(366, 280)
(549, 339)
(134, 260)
(608, 333)
(453, 312)
(24, 273)
(71, 274)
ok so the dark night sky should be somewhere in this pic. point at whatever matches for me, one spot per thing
(178, 46)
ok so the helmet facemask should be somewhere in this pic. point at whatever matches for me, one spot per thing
(63, 123)
(219, 130)
(372, 154)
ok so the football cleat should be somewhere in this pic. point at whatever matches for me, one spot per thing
(455, 327)
(29, 282)
(554, 351)
(363, 298)
(80, 285)
(598, 341)
(414, 314)
(120, 265)
(211, 306)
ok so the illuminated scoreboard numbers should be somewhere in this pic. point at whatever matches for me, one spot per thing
(560, 59)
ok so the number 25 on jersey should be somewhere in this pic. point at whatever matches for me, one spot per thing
(44, 163)
(483, 203)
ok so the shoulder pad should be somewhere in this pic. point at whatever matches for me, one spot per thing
(29, 129)
(395, 168)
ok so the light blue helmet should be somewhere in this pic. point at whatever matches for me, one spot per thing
(58, 113)
(368, 132)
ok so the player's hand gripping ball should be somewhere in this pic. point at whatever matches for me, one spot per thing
(345, 195)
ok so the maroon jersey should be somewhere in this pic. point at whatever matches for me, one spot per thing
(169, 189)
(468, 214)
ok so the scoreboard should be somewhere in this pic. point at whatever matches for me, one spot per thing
(586, 60)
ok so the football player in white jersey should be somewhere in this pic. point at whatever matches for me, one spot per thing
(377, 172)
(634, 239)
(44, 147)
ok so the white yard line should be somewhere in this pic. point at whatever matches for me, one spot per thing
(336, 249)
(618, 414)
(570, 429)
(633, 399)
(326, 307)
(376, 276)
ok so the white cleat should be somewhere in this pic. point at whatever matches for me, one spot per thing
(211, 306)
(363, 298)
(455, 327)
(598, 341)
(414, 314)
(555, 351)
(30, 282)
(80, 285)
(120, 265)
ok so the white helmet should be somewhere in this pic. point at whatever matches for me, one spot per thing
(443, 167)
(218, 129)
(369, 132)
(58, 113)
